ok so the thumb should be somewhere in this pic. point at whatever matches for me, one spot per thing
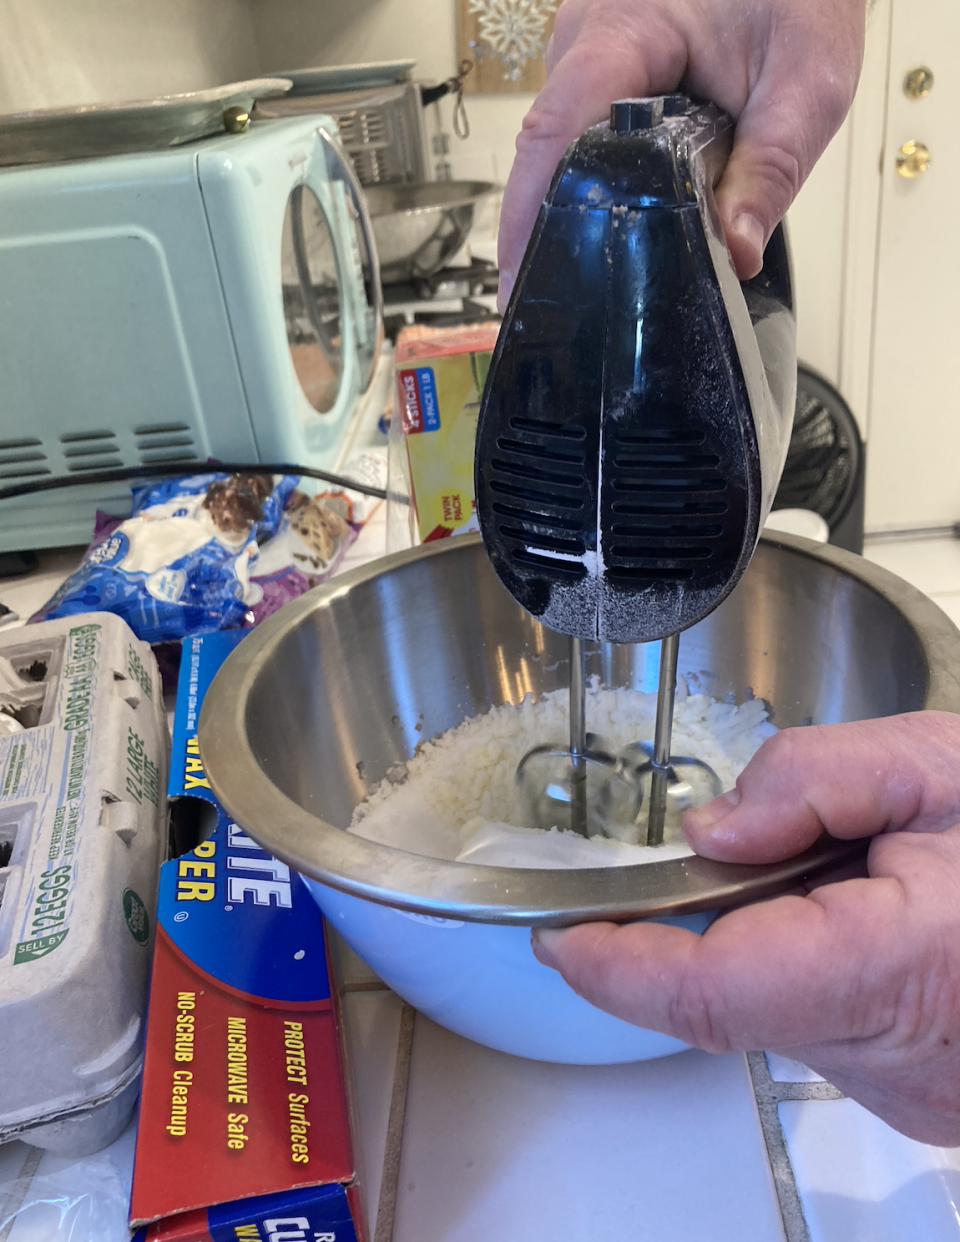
(852, 780)
(759, 183)
(782, 130)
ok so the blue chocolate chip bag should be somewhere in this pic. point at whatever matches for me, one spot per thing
(180, 565)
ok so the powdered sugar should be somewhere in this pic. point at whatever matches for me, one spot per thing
(459, 799)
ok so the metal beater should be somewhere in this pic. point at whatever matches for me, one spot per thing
(633, 431)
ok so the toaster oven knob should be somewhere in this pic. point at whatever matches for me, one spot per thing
(236, 120)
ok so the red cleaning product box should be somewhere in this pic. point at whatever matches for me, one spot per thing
(243, 1128)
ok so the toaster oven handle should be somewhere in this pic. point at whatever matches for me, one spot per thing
(336, 154)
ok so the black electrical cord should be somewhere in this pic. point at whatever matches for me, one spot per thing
(122, 474)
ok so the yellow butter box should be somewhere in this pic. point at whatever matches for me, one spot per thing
(440, 377)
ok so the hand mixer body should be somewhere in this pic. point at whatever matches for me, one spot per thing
(638, 408)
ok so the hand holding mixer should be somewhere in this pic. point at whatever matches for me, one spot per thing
(633, 431)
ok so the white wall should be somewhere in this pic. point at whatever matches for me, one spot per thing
(294, 34)
(59, 52)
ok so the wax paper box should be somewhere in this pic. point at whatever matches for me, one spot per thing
(440, 377)
(243, 1128)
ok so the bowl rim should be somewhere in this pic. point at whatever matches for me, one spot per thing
(472, 892)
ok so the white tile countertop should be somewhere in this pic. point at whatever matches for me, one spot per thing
(462, 1144)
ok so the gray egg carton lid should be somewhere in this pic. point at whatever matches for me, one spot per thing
(83, 769)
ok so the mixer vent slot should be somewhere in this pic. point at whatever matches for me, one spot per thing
(528, 515)
(539, 479)
(675, 530)
(22, 459)
(661, 435)
(574, 547)
(536, 474)
(648, 573)
(515, 491)
(688, 482)
(534, 451)
(669, 506)
(554, 566)
(667, 493)
(90, 450)
(165, 442)
(540, 427)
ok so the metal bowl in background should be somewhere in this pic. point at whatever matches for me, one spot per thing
(419, 227)
(319, 702)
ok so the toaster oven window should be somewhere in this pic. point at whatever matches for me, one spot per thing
(311, 299)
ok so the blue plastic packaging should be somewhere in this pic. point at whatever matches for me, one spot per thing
(180, 565)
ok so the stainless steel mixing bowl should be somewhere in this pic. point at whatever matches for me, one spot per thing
(323, 698)
(418, 227)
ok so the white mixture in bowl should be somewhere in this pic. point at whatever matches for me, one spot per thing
(457, 797)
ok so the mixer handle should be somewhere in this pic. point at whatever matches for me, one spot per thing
(637, 413)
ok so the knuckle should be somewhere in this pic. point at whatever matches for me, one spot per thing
(780, 745)
(782, 174)
(833, 81)
(695, 1013)
(837, 97)
(778, 754)
(567, 21)
(543, 125)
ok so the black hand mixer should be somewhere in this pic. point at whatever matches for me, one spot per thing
(633, 428)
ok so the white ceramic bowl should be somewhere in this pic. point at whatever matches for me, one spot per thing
(482, 980)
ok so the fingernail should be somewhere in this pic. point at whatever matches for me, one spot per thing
(542, 940)
(706, 817)
(504, 289)
(750, 230)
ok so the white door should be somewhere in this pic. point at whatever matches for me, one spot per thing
(913, 459)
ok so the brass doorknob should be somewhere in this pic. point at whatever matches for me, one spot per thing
(918, 82)
(913, 158)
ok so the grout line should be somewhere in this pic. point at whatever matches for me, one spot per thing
(910, 534)
(18, 1191)
(387, 1205)
(769, 1095)
(364, 985)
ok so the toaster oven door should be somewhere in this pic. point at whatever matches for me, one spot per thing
(331, 284)
(364, 289)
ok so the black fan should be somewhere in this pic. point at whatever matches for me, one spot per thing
(825, 461)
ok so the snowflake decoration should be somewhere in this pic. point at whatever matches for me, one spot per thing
(513, 30)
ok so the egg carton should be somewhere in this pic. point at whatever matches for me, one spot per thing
(83, 771)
